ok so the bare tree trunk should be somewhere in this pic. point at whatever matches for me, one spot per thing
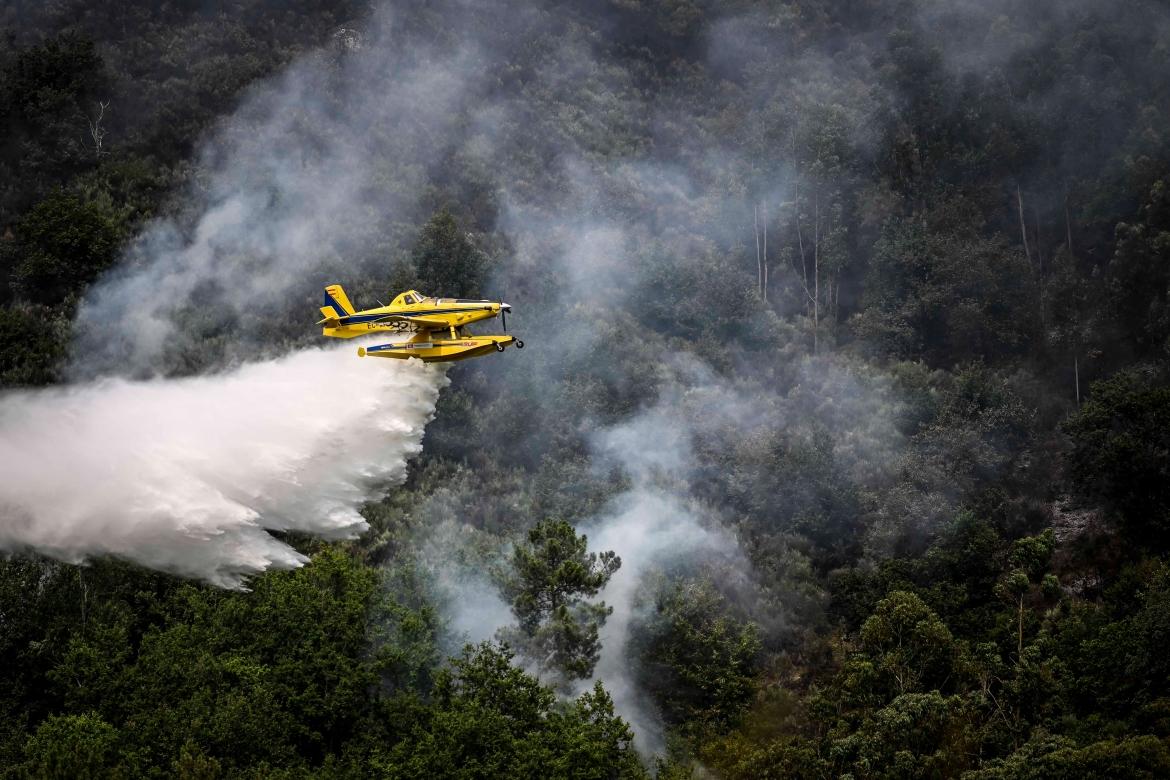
(1023, 229)
(799, 234)
(1020, 631)
(759, 265)
(96, 131)
(808, 297)
(1040, 261)
(803, 259)
(1077, 378)
(1039, 242)
(765, 280)
(816, 269)
(764, 283)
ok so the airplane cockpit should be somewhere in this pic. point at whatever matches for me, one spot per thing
(408, 298)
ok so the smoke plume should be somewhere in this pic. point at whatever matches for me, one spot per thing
(189, 475)
(651, 529)
(301, 186)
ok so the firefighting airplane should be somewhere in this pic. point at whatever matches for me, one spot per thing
(428, 320)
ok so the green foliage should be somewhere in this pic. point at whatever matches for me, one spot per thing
(31, 344)
(698, 663)
(554, 568)
(916, 735)
(182, 680)
(42, 78)
(776, 760)
(81, 746)
(1121, 454)
(1033, 553)
(62, 244)
(403, 630)
(980, 428)
(552, 576)
(446, 260)
(939, 290)
(279, 675)
(1138, 280)
(194, 764)
(47, 95)
(698, 292)
(489, 719)
(1050, 758)
(1116, 652)
(905, 648)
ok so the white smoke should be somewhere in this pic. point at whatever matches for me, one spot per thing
(461, 576)
(189, 475)
(653, 525)
(650, 529)
(300, 186)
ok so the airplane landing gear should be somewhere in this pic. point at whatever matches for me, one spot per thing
(519, 344)
(499, 347)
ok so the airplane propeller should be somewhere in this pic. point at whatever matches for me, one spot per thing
(504, 308)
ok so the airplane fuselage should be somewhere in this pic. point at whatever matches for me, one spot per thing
(432, 314)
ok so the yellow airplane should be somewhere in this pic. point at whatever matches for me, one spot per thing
(437, 325)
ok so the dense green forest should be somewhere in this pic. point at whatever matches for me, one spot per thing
(848, 332)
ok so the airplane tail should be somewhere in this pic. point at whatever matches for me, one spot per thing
(336, 303)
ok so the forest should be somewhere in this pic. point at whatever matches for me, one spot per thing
(840, 445)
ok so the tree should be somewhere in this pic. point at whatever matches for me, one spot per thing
(1054, 757)
(45, 94)
(32, 342)
(552, 576)
(1138, 280)
(1121, 451)
(906, 645)
(1029, 559)
(1116, 653)
(938, 288)
(698, 662)
(917, 735)
(281, 675)
(448, 264)
(80, 746)
(490, 719)
(62, 244)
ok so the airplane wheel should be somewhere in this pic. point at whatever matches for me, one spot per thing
(499, 347)
(519, 344)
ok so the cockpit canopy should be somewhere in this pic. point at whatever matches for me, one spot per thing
(408, 298)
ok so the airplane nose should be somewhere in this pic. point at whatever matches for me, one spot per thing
(506, 307)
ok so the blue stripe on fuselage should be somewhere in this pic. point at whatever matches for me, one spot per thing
(407, 345)
(359, 318)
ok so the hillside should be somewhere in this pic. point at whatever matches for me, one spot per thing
(840, 444)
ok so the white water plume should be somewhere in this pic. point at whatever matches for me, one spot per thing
(189, 475)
